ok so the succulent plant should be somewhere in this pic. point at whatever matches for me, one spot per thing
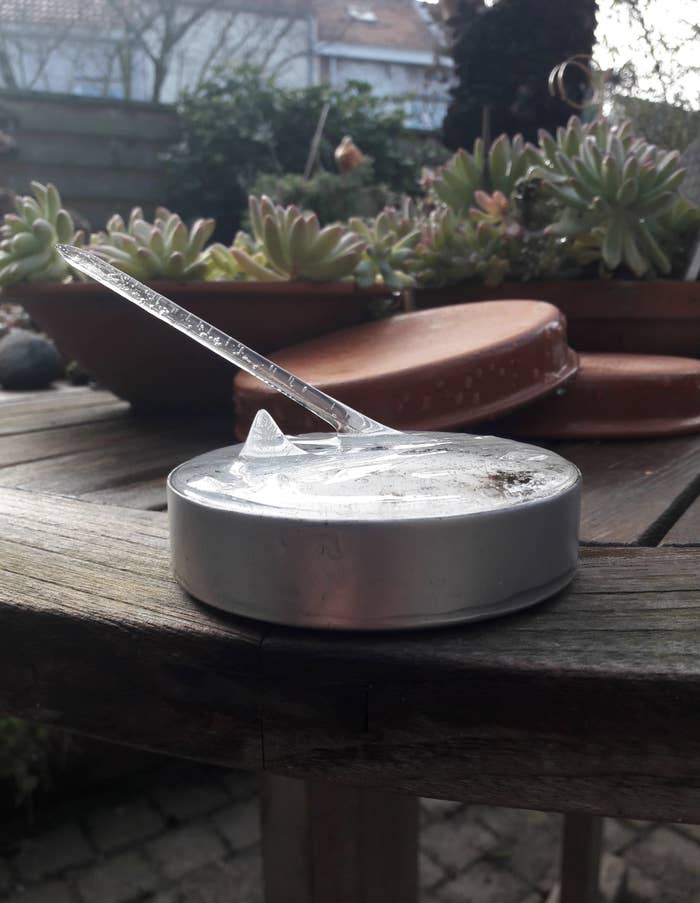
(28, 245)
(391, 239)
(223, 266)
(613, 190)
(453, 249)
(294, 246)
(163, 249)
(506, 162)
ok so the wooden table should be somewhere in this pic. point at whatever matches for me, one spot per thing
(587, 704)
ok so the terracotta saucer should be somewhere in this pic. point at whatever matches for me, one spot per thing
(615, 396)
(435, 369)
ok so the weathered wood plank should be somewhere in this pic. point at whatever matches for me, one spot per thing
(142, 450)
(60, 407)
(630, 489)
(89, 116)
(686, 530)
(75, 181)
(97, 637)
(325, 842)
(146, 495)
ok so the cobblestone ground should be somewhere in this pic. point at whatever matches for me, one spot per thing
(190, 834)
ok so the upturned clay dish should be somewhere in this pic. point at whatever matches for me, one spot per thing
(434, 369)
(615, 396)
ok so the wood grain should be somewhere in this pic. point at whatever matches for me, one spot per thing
(28, 412)
(686, 530)
(89, 459)
(630, 488)
(325, 842)
(588, 702)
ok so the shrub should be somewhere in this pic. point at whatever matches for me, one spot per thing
(240, 124)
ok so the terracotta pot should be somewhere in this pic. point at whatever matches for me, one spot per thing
(430, 370)
(614, 396)
(152, 365)
(661, 317)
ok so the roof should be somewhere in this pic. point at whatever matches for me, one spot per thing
(44, 12)
(393, 24)
(397, 24)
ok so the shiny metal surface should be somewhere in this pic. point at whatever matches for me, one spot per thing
(374, 575)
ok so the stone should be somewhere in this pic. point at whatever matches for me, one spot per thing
(429, 872)
(28, 361)
(51, 892)
(185, 849)
(183, 800)
(457, 842)
(52, 852)
(239, 824)
(240, 784)
(5, 878)
(670, 857)
(216, 883)
(618, 835)
(120, 879)
(613, 875)
(431, 809)
(124, 824)
(484, 884)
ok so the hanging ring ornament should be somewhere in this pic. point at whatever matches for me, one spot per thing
(585, 64)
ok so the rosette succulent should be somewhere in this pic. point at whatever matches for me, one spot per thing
(28, 244)
(453, 249)
(614, 192)
(506, 162)
(391, 239)
(164, 249)
(290, 244)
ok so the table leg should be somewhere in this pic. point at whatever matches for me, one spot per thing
(580, 860)
(326, 843)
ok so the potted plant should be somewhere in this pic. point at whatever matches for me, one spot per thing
(143, 360)
(591, 220)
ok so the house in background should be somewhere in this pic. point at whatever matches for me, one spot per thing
(153, 51)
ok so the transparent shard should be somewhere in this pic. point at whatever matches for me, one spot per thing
(266, 440)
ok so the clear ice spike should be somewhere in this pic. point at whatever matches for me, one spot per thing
(266, 440)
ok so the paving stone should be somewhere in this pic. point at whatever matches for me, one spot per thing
(184, 849)
(240, 824)
(186, 799)
(52, 852)
(236, 881)
(240, 784)
(528, 842)
(484, 884)
(457, 842)
(640, 887)
(52, 892)
(432, 809)
(692, 831)
(613, 874)
(124, 824)
(117, 880)
(617, 835)
(512, 823)
(667, 855)
(429, 872)
(5, 878)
